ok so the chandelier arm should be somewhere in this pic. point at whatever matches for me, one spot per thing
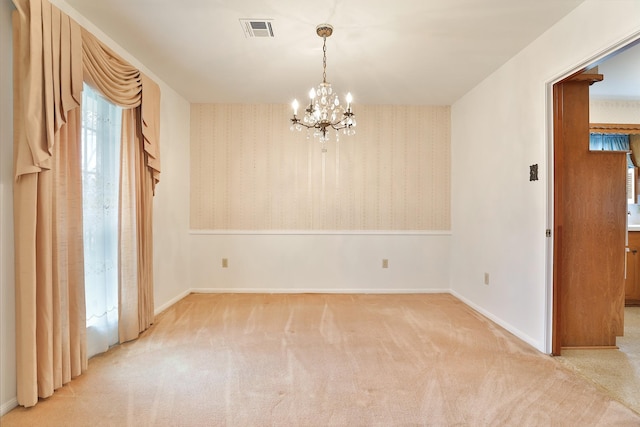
(341, 125)
(296, 121)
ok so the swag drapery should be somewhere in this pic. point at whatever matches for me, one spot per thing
(53, 55)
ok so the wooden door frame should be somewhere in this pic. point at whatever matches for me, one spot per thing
(556, 229)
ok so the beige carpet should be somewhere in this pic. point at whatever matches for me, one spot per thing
(316, 360)
(617, 371)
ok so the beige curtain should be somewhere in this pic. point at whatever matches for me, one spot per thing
(50, 51)
(50, 313)
(136, 234)
(634, 145)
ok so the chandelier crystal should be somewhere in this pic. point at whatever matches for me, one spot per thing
(324, 111)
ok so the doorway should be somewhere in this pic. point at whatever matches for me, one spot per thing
(580, 301)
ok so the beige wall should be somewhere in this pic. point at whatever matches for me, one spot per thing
(250, 172)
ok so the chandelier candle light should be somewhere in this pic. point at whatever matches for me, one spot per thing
(324, 110)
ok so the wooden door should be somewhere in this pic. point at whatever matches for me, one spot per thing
(589, 226)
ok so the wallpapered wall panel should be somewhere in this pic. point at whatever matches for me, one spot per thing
(250, 172)
(614, 111)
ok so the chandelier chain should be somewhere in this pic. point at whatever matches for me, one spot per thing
(324, 60)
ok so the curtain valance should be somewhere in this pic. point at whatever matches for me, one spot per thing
(105, 71)
(50, 65)
(126, 86)
(61, 54)
(608, 142)
(614, 142)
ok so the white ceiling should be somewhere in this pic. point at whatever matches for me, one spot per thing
(426, 52)
(621, 72)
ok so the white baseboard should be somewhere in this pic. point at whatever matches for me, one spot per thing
(172, 301)
(314, 291)
(515, 331)
(6, 407)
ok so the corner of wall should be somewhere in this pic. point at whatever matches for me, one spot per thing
(7, 292)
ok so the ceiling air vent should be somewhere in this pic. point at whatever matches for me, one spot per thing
(257, 27)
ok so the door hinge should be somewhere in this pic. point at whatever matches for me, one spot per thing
(548, 233)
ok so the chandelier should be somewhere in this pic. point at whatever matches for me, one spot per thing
(324, 111)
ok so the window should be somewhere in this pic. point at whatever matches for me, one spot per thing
(101, 123)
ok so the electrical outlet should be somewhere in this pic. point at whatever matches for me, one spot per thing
(225, 263)
(486, 278)
(385, 263)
